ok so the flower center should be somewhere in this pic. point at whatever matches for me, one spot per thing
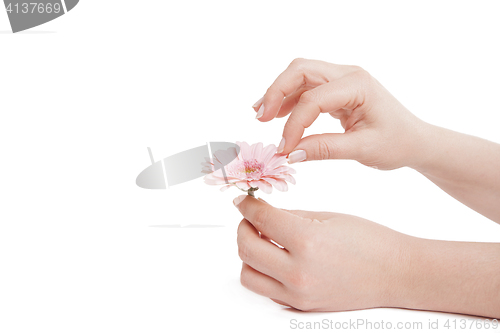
(252, 166)
(249, 169)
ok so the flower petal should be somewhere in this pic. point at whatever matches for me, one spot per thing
(257, 151)
(290, 179)
(223, 188)
(276, 161)
(287, 169)
(254, 183)
(245, 151)
(243, 185)
(225, 156)
(280, 184)
(211, 180)
(206, 170)
(265, 187)
(267, 154)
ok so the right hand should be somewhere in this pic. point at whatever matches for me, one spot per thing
(379, 131)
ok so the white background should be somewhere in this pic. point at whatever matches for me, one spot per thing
(83, 96)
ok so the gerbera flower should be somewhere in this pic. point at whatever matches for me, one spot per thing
(252, 168)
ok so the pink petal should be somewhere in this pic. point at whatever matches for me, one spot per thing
(243, 185)
(276, 161)
(211, 180)
(268, 153)
(286, 169)
(280, 184)
(245, 151)
(257, 150)
(223, 188)
(220, 175)
(265, 187)
(290, 179)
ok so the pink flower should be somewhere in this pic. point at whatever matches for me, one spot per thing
(254, 167)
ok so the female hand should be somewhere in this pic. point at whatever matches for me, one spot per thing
(334, 262)
(330, 261)
(379, 131)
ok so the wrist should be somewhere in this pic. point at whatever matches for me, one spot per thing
(447, 276)
(423, 146)
(398, 284)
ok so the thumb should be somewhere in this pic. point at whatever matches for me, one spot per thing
(327, 146)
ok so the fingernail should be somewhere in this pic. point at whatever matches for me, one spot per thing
(258, 102)
(239, 199)
(297, 156)
(281, 146)
(260, 112)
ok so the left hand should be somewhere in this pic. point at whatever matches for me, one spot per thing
(330, 262)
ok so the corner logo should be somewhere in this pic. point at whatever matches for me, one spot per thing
(24, 14)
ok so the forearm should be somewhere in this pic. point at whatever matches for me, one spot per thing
(457, 277)
(464, 166)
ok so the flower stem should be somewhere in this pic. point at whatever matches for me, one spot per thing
(251, 191)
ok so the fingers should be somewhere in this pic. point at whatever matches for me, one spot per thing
(329, 97)
(264, 237)
(300, 73)
(311, 215)
(280, 302)
(283, 227)
(290, 102)
(328, 146)
(261, 254)
(261, 284)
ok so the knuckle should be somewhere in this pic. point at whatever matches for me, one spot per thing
(298, 280)
(260, 217)
(243, 250)
(307, 97)
(272, 90)
(244, 278)
(297, 63)
(239, 230)
(302, 304)
(324, 151)
(356, 68)
(363, 76)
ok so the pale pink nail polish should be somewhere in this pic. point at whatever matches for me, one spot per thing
(297, 156)
(281, 146)
(260, 113)
(258, 102)
(239, 199)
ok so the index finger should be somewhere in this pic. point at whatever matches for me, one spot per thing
(300, 73)
(285, 228)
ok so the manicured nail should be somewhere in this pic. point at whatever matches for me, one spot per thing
(297, 156)
(258, 102)
(281, 146)
(260, 113)
(239, 199)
